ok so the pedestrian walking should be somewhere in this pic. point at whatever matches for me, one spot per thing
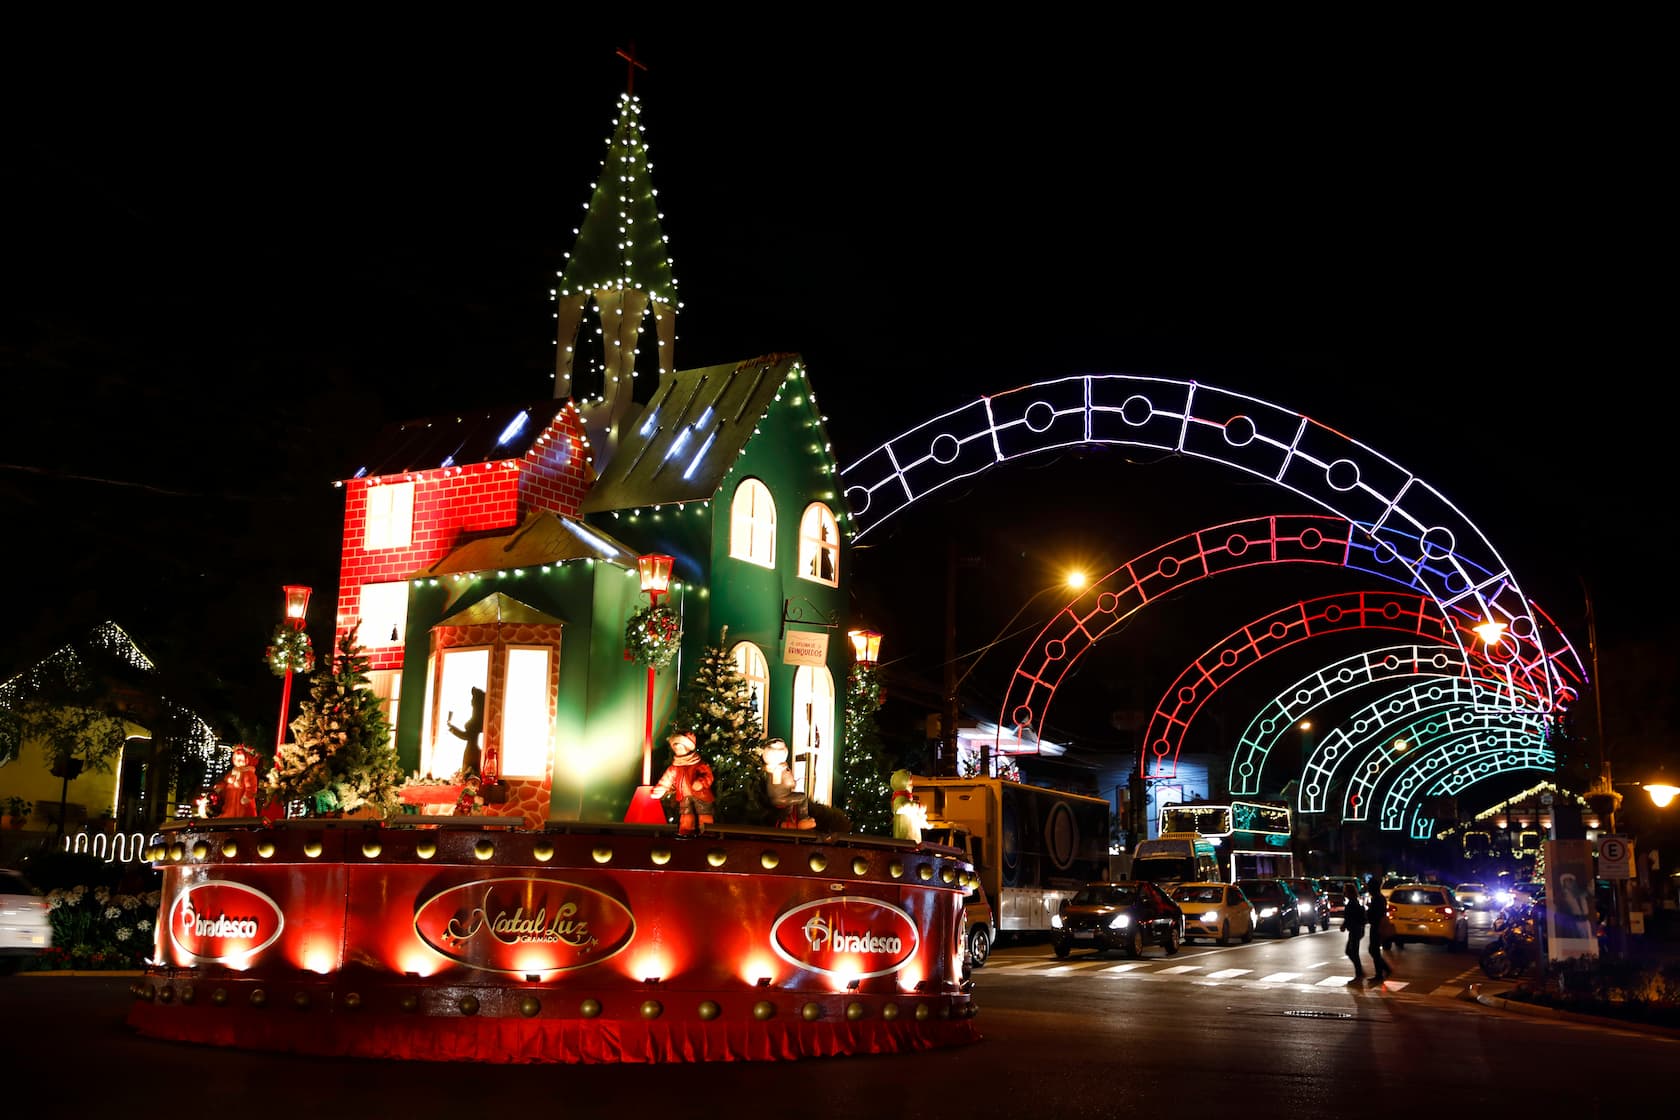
(1374, 916)
(1353, 922)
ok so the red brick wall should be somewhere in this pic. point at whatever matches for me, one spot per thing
(447, 503)
(556, 473)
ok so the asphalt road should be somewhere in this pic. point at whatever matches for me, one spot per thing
(1267, 1030)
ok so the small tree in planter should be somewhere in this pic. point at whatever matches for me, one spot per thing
(717, 706)
(342, 759)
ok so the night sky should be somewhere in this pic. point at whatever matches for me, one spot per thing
(224, 276)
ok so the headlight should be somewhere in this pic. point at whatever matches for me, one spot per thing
(1268, 911)
(1121, 921)
(1211, 916)
(1055, 921)
(1306, 907)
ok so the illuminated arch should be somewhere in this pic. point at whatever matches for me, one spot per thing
(1293, 538)
(1461, 762)
(1371, 756)
(1297, 702)
(1421, 529)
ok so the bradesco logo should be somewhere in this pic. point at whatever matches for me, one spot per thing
(524, 925)
(216, 921)
(850, 937)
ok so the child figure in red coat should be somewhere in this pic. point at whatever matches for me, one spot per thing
(690, 779)
(239, 785)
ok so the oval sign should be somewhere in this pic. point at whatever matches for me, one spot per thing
(854, 938)
(218, 920)
(525, 925)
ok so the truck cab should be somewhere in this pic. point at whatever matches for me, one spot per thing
(980, 930)
(1173, 858)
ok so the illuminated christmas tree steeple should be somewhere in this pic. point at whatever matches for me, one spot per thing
(620, 262)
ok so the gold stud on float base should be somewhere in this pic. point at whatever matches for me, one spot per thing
(763, 1010)
(589, 1008)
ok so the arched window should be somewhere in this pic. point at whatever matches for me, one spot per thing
(819, 545)
(812, 747)
(752, 524)
(750, 663)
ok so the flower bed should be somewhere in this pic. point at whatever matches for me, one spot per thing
(1645, 992)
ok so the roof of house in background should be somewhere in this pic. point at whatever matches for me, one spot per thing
(457, 439)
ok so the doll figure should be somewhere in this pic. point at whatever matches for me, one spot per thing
(791, 806)
(690, 779)
(470, 802)
(239, 785)
(909, 816)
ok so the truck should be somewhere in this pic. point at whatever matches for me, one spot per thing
(1031, 847)
(1176, 857)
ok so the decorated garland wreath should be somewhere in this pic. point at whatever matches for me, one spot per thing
(651, 636)
(290, 651)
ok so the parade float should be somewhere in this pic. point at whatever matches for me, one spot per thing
(475, 939)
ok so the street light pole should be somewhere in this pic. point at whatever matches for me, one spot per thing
(1073, 581)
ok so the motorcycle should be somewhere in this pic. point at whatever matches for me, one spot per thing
(1515, 949)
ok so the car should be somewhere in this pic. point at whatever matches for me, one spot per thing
(1313, 904)
(1127, 914)
(1473, 896)
(1217, 910)
(1426, 913)
(25, 928)
(1275, 907)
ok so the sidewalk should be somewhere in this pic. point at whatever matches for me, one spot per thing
(1497, 1000)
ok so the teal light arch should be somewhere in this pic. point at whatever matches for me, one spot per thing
(1300, 700)
(1364, 743)
(1459, 763)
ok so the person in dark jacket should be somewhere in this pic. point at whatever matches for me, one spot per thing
(1374, 916)
(1353, 921)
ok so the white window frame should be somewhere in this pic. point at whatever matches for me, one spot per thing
(526, 742)
(383, 607)
(813, 685)
(390, 516)
(387, 685)
(752, 524)
(754, 668)
(441, 753)
(816, 520)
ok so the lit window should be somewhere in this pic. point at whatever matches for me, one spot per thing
(750, 663)
(384, 614)
(812, 742)
(752, 524)
(390, 516)
(462, 671)
(819, 545)
(387, 685)
(525, 723)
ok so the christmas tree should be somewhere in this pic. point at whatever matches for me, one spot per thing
(342, 757)
(863, 770)
(717, 705)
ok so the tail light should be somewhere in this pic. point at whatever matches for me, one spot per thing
(1444, 911)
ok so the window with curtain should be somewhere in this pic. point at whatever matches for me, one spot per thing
(819, 545)
(384, 614)
(812, 746)
(750, 663)
(752, 524)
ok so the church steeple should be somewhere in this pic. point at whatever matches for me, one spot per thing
(620, 262)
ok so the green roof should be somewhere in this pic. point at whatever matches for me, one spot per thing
(621, 244)
(689, 434)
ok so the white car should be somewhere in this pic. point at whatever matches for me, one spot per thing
(25, 929)
(1473, 896)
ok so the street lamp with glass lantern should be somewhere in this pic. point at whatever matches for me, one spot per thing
(297, 606)
(655, 572)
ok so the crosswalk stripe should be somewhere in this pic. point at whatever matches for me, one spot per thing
(1332, 982)
(1279, 977)
(1124, 967)
(1180, 968)
(1226, 973)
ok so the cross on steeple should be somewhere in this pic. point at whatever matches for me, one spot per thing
(635, 64)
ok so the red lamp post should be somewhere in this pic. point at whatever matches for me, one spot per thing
(297, 605)
(656, 579)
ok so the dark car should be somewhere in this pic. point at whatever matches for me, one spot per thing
(1276, 909)
(1312, 902)
(1124, 915)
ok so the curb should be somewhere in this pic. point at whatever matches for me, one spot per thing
(1541, 1011)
